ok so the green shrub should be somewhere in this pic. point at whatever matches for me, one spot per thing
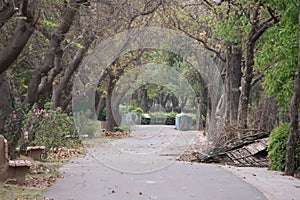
(277, 147)
(171, 114)
(50, 128)
(134, 108)
(85, 125)
(122, 129)
(13, 132)
(158, 115)
(137, 110)
(102, 114)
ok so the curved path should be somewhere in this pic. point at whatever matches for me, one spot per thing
(143, 167)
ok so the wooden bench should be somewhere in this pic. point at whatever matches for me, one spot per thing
(12, 169)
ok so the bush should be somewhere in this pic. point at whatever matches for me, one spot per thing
(50, 128)
(277, 147)
(163, 118)
(122, 129)
(13, 132)
(158, 115)
(134, 108)
(102, 115)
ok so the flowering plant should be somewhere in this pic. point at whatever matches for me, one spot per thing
(51, 129)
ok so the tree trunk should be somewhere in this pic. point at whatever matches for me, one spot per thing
(110, 120)
(175, 104)
(208, 117)
(54, 47)
(235, 83)
(7, 10)
(246, 86)
(267, 113)
(56, 98)
(199, 122)
(294, 121)
(145, 102)
(162, 98)
(257, 29)
(183, 103)
(232, 83)
(12, 48)
(100, 106)
(5, 101)
(200, 110)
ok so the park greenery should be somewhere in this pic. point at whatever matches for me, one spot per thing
(254, 44)
(276, 148)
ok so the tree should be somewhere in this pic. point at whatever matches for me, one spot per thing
(54, 51)
(294, 117)
(24, 28)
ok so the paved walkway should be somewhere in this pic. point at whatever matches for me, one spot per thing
(273, 184)
(143, 167)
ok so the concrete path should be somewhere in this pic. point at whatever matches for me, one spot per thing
(273, 184)
(143, 167)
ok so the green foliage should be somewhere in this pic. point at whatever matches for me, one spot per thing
(279, 50)
(132, 108)
(171, 114)
(168, 118)
(51, 128)
(13, 132)
(85, 125)
(122, 129)
(277, 147)
(49, 23)
(163, 114)
(102, 114)
(158, 115)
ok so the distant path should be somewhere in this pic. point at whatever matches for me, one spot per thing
(153, 173)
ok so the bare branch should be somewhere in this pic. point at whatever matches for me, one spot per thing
(218, 53)
(145, 12)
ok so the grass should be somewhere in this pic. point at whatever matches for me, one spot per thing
(36, 183)
(17, 192)
(13, 192)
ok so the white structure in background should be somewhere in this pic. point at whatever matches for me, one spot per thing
(218, 1)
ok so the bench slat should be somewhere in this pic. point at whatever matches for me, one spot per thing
(19, 163)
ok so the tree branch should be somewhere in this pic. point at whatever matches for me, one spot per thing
(263, 27)
(218, 53)
(145, 12)
(55, 42)
(14, 45)
(8, 10)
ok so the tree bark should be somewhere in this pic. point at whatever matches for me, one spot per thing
(246, 86)
(12, 48)
(294, 121)
(100, 106)
(7, 10)
(175, 104)
(257, 29)
(199, 122)
(235, 83)
(110, 120)
(56, 99)
(54, 46)
(200, 110)
(145, 100)
(267, 113)
(5, 101)
(232, 83)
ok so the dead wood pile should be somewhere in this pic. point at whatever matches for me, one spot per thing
(248, 150)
